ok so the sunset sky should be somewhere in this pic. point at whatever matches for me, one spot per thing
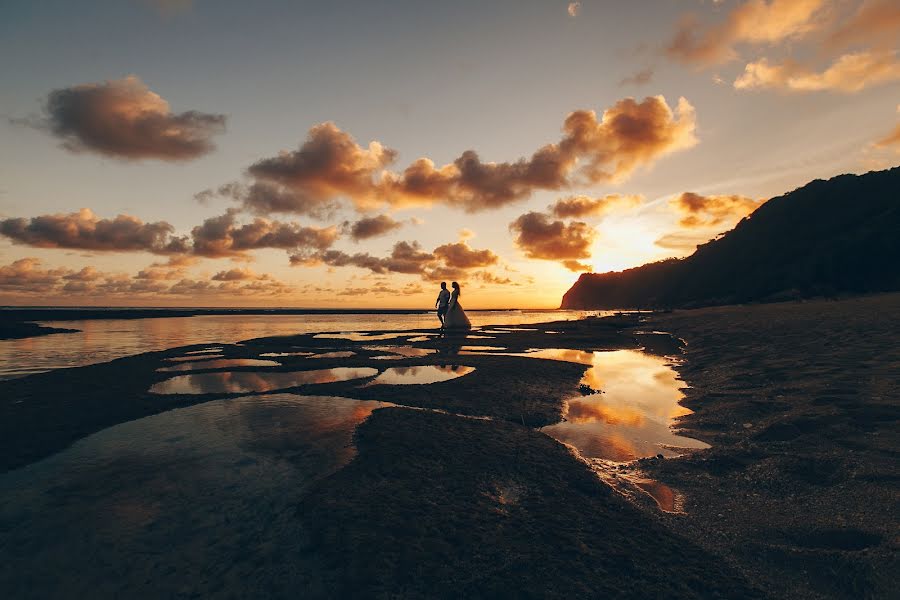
(328, 154)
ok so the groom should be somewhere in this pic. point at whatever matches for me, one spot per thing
(442, 302)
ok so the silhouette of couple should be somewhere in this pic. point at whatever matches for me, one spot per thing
(449, 310)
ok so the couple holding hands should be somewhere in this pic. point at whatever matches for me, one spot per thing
(449, 311)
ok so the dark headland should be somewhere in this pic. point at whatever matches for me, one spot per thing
(825, 239)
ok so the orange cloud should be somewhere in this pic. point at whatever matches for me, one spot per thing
(223, 236)
(542, 238)
(27, 278)
(875, 22)
(891, 140)
(755, 22)
(330, 165)
(850, 73)
(124, 119)
(585, 206)
(712, 211)
(449, 261)
(86, 231)
(217, 237)
(373, 227)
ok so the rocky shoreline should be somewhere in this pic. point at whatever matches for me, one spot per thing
(466, 496)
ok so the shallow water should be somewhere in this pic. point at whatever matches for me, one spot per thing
(195, 499)
(222, 363)
(633, 414)
(403, 351)
(420, 375)
(107, 339)
(242, 382)
(338, 354)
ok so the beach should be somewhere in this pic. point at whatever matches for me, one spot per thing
(404, 463)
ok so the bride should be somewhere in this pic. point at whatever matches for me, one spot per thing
(456, 317)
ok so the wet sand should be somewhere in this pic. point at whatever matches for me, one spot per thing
(466, 496)
(800, 403)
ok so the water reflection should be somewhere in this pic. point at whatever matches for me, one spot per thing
(338, 354)
(204, 351)
(222, 363)
(409, 351)
(481, 348)
(106, 339)
(194, 357)
(633, 415)
(181, 504)
(362, 336)
(420, 374)
(242, 382)
(277, 354)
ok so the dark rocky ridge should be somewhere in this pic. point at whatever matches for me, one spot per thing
(828, 238)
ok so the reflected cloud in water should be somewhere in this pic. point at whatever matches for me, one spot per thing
(243, 382)
(633, 415)
(338, 354)
(419, 375)
(142, 499)
(408, 351)
(221, 364)
(196, 357)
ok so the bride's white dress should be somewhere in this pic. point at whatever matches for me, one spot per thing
(456, 317)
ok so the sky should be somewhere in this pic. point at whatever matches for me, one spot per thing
(355, 154)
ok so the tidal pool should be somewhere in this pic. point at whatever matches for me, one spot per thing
(632, 415)
(237, 382)
(338, 354)
(198, 501)
(221, 364)
(408, 351)
(419, 375)
(481, 348)
(194, 357)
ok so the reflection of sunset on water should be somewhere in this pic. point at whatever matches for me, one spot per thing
(632, 414)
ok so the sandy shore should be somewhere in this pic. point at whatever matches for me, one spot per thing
(466, 497)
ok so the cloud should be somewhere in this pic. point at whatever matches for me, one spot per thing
(330, 165)
(684, 242)
(573, 9)
(27, 275)
(222, 236)
(874, 22)
(238, 275)
(712, 211)
(124, 119)
(849, 73)
(585, 206)
(891, 140)
(642, 77)
(405, 257)
(540, 237)
(27, 278)
(373, 227)
(461, 256)
(448, 261)
(85, 231)
(592, 150)
(754, 22)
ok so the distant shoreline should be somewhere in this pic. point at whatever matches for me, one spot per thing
(14, 314)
